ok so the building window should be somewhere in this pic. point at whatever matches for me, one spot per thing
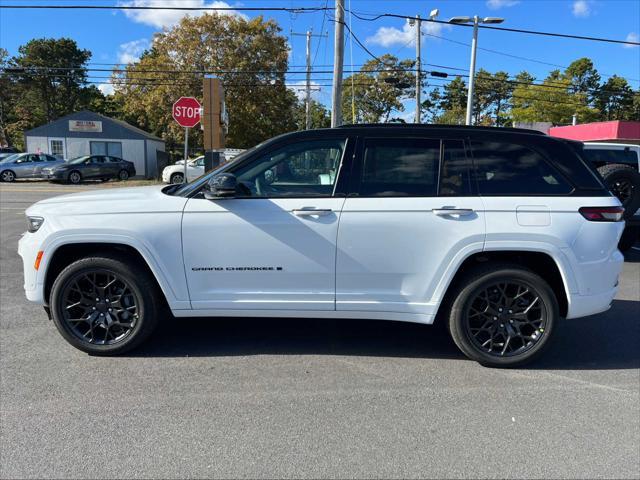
(112, 149)
(57, 148)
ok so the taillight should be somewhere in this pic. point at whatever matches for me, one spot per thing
(602, 214)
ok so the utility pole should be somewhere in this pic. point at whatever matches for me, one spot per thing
(338, 61)
(418, 68)
(475, 20)
(308, 88)
(472, 71)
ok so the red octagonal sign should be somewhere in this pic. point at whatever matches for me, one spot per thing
(186, 111)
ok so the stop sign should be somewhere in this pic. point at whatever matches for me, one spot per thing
(186, 111)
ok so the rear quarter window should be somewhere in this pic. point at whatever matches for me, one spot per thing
(503, 168)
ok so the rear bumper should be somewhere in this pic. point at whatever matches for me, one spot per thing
(599, 285)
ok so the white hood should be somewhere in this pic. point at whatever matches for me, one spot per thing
(110, 200)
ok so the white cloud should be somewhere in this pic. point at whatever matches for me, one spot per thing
(390, 36)
(632, 37)
(299, 88)
(130, 52)
(106, 88)
(168, 18)
(581, 8)
(496, 4)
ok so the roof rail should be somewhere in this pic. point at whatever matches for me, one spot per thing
(440, 126)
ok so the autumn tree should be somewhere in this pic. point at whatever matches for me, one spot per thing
(377, 90)
(248, 55)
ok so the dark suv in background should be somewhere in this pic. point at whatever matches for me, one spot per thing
(91, 167)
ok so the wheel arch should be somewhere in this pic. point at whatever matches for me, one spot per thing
(65, 253)
(540, 262)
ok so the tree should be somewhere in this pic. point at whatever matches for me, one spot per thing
(320, 117)
(53, 75)
(552, 101)
(248, 55)
(616, 99)
(453, 102)
(492, 96)
(584, 78)
(377, 90)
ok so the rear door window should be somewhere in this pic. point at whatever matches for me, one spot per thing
(399, 167)
(503, 168)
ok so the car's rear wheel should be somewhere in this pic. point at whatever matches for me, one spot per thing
(104, 306)
(503, 316)
(123, 175)
(7, 176)
(177, 178)
(75, 177)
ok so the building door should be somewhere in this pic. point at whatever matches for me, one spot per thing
(57, 148)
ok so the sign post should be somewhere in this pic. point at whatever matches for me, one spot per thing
(186, 111)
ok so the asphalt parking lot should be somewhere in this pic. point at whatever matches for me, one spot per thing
(310, 398)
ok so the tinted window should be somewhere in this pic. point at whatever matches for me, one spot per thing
(454, 174)
(49, 158)
(113, 159)
(98, 160)
(308, 168)
(513, 169)
(399, 167)
(610, 156)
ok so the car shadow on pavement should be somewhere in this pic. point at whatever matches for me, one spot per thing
(607, 341)
(297, 336)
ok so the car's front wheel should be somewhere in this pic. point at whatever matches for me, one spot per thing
(7, 176)
(75, 177)
(123, 175)
(503, 316)
(177, 178)
(104, 305)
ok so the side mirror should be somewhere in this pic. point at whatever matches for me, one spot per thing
(223, 185)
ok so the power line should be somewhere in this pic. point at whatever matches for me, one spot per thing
(504, 29)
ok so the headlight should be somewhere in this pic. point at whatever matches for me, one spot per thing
(34, 223)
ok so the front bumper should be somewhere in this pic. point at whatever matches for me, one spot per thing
(55, 175)
(28, 248)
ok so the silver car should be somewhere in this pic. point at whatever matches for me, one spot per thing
(26, 165)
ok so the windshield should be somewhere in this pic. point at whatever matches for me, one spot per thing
(189, 188)
(10, 158)
(78, 160)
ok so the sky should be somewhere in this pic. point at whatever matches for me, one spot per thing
(117, 37)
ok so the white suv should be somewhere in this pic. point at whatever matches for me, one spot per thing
(499, 233)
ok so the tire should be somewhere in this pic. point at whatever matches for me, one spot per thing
(125, 315)
(176, 178)
(470, 324)
(123, 175)
(624, 183)
(7, 176)
(629, 238)
(74, 177)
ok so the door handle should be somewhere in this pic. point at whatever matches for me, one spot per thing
(308, 212)
(452, 211)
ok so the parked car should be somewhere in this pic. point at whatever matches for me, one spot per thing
(91, 167)
(175, 173)
(619, 166)
(26, 165)
(498, 233)
(7, 152)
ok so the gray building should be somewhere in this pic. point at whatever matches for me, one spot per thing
(89, 133)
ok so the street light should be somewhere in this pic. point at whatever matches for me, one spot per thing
(476, 20)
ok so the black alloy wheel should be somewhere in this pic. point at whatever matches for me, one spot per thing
(99, 307)
(106, 304)
(123, 175)
(502, 315)
(506, 318)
